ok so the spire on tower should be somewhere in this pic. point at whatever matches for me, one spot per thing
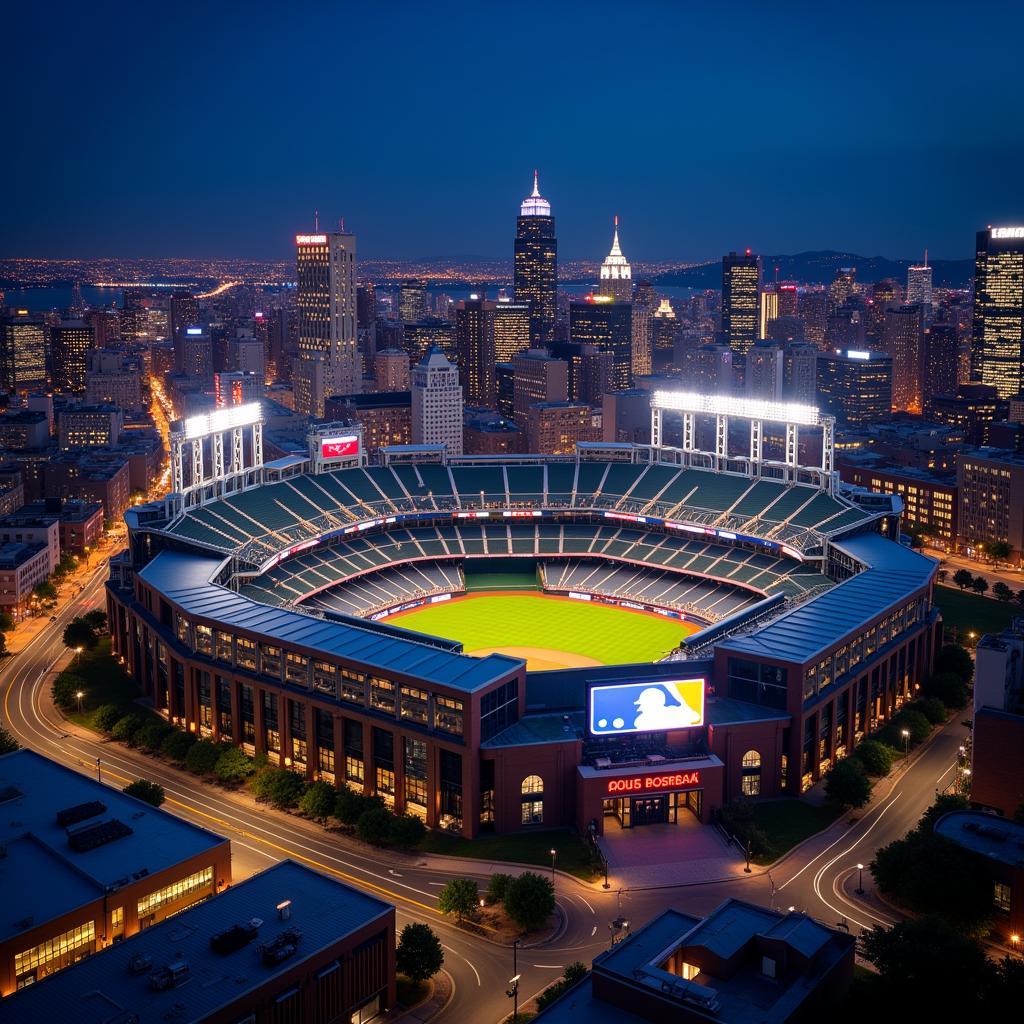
(536, 190)
(535, 205)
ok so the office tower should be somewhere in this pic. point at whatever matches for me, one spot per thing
(786, 329)
(385, 416)
(664, 330)
(919, 287)
(788, 299)
(537, 377)
(105, 323)
(437, 403)
(197, 355)
(70, 341)
(741, 289)
(769, 311)
(709, 370)
(997, 347)
(412, 301)
(536, 265)
(616, 273)
(845, 328)
(504, 383)
(391, 370)
(644, 304)
(419, 339)
(800, 373)
(884, 293)
(245, 353)
(237, 387)
(366, 306)
(856, 386)
(555, 428)
(645, 295)
(328, 362)
(764, 371)
(22, 352)
(511, 328)
(600, 321)
(941, 361)
(626, 416)
(973, 410)
(843, 286)
(474, 343)
(183, 311)
(813, 310)
(902, 339)
(113, 378)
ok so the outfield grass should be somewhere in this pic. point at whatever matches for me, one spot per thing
(607, 634)
(788, 822)
(968, 612)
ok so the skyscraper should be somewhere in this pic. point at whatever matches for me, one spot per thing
(537, 377)
(664, 331)
(769, 311)
(616, 273)
(22, 352)
(741, 289)
(70, 342)
(843, 286)
(437, 403)
(940, 373)
(329, 362)
(536, 265)
(901, 338)
(856, 386)
(474, 342)
(412, 301)
(609, 325)
(511, 329)
(919, 287)
(183, 311)
(996, 349)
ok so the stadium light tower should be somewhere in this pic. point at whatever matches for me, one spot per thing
(757, 412)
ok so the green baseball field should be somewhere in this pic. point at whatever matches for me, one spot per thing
(548, 632)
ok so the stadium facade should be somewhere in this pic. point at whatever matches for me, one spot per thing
(248, 607)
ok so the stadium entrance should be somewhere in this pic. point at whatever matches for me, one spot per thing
(633, 811)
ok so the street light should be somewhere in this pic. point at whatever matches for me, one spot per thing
(905, 733)
(78, 652)
(513, 991)
(860, 880)
(554, 854)
(79, 695)
(747, 868)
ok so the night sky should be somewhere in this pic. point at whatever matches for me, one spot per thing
(215, 129)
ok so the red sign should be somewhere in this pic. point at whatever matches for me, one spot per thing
(647, 783)
(339, 447)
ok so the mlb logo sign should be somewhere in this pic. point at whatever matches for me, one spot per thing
(622, 708)
(339, 447)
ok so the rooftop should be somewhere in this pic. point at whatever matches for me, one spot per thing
(101, 988)
(16, 553)
(33, 790)
(997, 839)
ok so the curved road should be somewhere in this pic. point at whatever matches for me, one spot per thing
(818, 878)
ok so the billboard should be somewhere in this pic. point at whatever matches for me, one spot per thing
(616, 709)
(346, 447)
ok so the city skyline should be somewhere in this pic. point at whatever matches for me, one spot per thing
(202, 155)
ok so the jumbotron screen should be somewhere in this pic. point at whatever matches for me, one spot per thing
(346, 447)
(616, 709)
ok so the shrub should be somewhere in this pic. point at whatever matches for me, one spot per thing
(126, 728)
(202, 757)
(573, 973)
(916, 723)
(283, 788)
(956, 659)
(105, 717)
(318, 801)
(349, 806)
(177, 744)
(876, 757)
(64, 688)
(943, 805)
(949, 687)
(530, 900)
(8, 744)
(459, 897)
(847, 784)
(419, 954)
(374, 826)
(143, 789)
(737, 818)
(233, 765)
(152, 735)
(932, 708)
(406, 831)
(497, 887)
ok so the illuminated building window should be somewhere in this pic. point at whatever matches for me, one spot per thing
(54, 954)
(448, 714)
(183, 889)
(750, 783)
(117, 924)
(1001, 897)
(382, 695)
(532, 791)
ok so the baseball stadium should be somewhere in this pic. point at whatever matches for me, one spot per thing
(617, 637)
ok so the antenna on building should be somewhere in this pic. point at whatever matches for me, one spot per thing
(316, 220)
(926, 257)
(341, 224)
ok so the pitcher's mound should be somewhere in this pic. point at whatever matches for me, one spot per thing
(539, 659)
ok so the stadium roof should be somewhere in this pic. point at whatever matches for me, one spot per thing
(100, 988)
(185, 580)
(893, 573)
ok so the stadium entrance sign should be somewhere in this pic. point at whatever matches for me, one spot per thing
(653, 783)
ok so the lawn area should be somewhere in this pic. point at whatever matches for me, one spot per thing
(968, 612)
(105, 682)
(788, 822)
(525, 848)
(600, 632)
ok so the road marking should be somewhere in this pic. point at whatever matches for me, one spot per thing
(392, 871)
(593, 931)
(549, 967)
(585, 903)
(471, 967)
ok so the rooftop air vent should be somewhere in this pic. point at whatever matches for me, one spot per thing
(91, 837)
(80, 812)
(235, 938)
(285, 945)
(170, 976)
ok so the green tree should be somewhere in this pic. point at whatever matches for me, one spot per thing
(3, 644)
(176, 745)
(406, 831)
(999, 550)
(419, 954)
(152, 735)
(944, 803)
(6, 622)
(947, 687)
(45, 591)
(876, 757)
(78, 633)
(350, 806)
(497, 887)
(126, 728)
(932, 708)
(202, 757)
(97, 618)
(105, 717)
(65, 689)
(980, 586)
(143, 789)
(847, 784)
(915, 722)
(1020, 597)
(530, 900)
(318, 801)
(963, 578)
(286, 788)
(955, 658)
(8, 744)
(233, 766)
(459, 896)
(374, 826)
(1001, 592)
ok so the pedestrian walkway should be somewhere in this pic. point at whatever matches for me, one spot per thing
(652, 856)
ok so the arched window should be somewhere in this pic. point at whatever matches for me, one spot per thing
(750, 783)
(532, 791)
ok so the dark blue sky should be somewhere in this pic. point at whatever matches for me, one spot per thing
(214, 129)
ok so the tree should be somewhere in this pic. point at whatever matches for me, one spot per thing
(942, 575)
(1001, 592)
(497, 887)
(3, 644)
(202, 757)
(105, 717)
(78, 633)
(419, 954)
(932, 708)
(152, 735)
(948, 687)
(318, 801)
(963, 578)
(45, 591)
(233, 766)
(915, 722)
(955, 658)
(349, 806)
(126, 727)
(65, 690)
(6, 622)
(374, 826)
(980, 586)
(847, 784)
(8, 744)
(143, 789)
(176, 745)
(876, 757)
(97, 618)
(1020, 597)
(286, 788)
(944, 803)
(530, 900)
(999, 550)
(459, 897)
(406, 831)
